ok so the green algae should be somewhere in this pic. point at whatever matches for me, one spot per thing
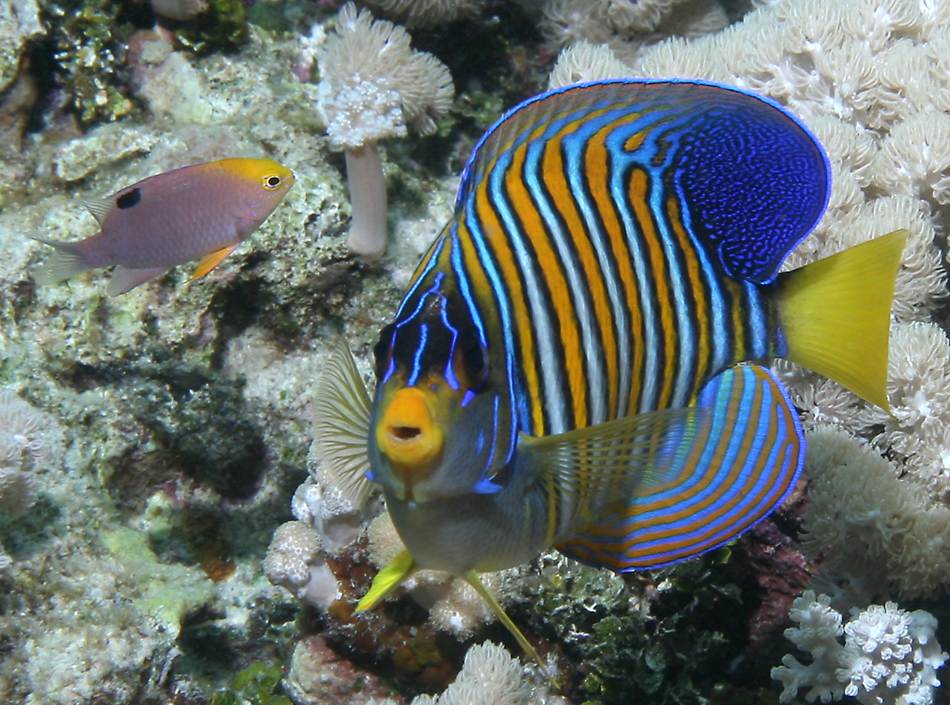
(85, 38)
(222, 27)
(168, 592)
(255, 685)
(665, 640)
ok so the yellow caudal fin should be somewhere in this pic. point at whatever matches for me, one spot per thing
(835, 314)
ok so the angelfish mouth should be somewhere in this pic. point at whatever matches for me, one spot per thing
(404, 433)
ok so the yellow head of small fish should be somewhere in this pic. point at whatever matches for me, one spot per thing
(270, 180)
(441, 424)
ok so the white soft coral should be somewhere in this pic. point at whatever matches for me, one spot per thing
(889, 656)
(372, 86)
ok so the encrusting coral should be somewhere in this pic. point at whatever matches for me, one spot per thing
(373, 85)
(889, 657)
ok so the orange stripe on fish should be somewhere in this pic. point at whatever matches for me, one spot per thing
(552, 272)
(700, 297)
(638, 191)
(495, 238)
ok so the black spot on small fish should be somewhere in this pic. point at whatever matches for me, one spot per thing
(129, 198)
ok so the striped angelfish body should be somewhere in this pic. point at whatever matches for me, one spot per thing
(613, 249)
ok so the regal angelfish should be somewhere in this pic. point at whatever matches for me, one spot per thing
(578, 359)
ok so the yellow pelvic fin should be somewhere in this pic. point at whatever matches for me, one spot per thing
(471, 577)
(386, 581)
(210, 261)
(835, 314)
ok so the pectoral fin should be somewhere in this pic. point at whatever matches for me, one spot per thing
(342, 410)
(386, 581)
(583, 472)
(726, 477)
(210, 261)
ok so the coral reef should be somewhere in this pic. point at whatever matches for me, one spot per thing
(426, 13)
(627, 26)
(583, 61)
(19, 23)
(254, 685)
(150, 445)
(29, 442)
(86, 37)
(889, 656)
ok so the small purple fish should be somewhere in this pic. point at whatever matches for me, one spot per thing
(203, 210)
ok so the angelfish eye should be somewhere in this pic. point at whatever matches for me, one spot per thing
(271, 182)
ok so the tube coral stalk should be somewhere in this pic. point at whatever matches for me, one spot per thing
(364, 178)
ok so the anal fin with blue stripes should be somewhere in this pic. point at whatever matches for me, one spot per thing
(729, 475)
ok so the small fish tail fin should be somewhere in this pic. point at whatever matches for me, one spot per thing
(66, 261)
(834, 314)
(739, 462)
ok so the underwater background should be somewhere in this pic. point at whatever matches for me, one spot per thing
(168, 536)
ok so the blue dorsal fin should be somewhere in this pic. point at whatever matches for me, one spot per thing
(747, 179)
(728, 476)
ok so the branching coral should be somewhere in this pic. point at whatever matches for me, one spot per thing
(372, 86)
(889, 656)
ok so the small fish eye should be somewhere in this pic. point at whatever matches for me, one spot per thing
(271, 182)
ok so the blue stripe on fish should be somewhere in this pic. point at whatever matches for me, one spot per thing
(730, 476)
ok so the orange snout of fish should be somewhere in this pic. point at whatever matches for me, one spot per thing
(409, 436)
